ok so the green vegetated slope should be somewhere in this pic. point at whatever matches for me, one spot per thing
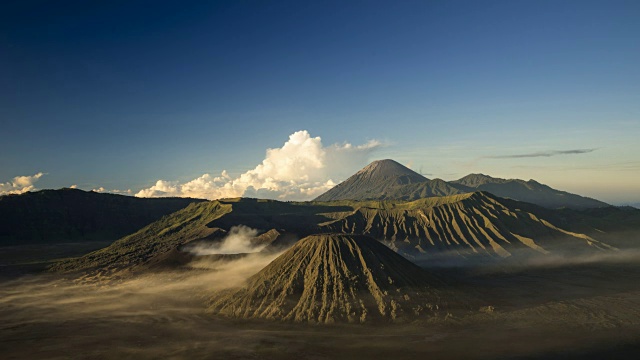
(338, 278)
(389, 180)
(459, 225)
(70, 215)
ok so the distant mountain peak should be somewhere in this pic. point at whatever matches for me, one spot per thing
(373, 179)
(389, 180)
(387, 168)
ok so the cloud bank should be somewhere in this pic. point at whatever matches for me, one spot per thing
(20, 184)
(301, 169)
(543, 154)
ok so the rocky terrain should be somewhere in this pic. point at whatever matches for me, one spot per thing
(332, 278)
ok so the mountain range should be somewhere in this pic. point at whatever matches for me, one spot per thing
(458, 221)
(389, 180)
(469, 226)
(70, 215)
(368, 250)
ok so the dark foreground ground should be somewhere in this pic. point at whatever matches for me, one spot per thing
(28, 259)
(583, 310)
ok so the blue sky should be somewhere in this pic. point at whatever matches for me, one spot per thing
(121, 94)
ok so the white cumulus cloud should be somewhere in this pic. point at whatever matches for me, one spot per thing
(20, 184)
(102, 189)
(301, 169)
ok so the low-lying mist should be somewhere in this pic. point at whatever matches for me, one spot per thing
(52, 297)
(522, 259)
(567, 259)
(239, 240)
(163, 314)
(160, 314)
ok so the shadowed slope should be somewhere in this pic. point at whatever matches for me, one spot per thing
(336, 278)
(528, 191)
(72, 215)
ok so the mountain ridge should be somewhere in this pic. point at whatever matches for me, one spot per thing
(464, 226)
(371, 184)
(530, 191)
(72, 215)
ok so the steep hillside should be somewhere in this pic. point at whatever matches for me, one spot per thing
(69, 215)
(465, 225)
(337, 278)
(156, 239)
